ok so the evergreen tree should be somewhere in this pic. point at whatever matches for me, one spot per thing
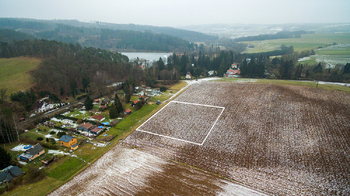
(5, 158)
(127, 92)
(318, 69)
(113, 113)
(346, 69)
(88, 103)
(118, 104)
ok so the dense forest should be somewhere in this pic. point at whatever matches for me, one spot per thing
(108, 36)
(279, 35)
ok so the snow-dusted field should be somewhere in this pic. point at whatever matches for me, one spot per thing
(125, 171)
(285, 140)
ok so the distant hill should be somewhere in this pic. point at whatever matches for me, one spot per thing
(116, 37)
(7, 35)
(191, 36)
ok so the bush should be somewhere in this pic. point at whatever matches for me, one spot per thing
(40, 139)
(53, 141)
(47, 139)
(162, 88)
(81, 97)
(60, 134)
(52, 132)
(48, 145)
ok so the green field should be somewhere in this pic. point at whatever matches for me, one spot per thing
(311, 84)
(306, 42)
(14, 73)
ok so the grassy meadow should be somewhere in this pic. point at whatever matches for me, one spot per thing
(306, 42)
(14, 73)
(311, 84)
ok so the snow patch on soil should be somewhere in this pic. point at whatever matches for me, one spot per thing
(114, 173)
(56, 152)
(19, 147)
(236, 189)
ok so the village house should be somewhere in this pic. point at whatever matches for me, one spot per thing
(41, 106)
(211, 73)
(69, 142)
(134, 103)
(114, 122)
(105, 102)
(10, 173)
(85, 127)
(95, 130)
(232, 73)
(188, 76)
(234, 66)
(128, 111)
(32, 153)
(99, 117)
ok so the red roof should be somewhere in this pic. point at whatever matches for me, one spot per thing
(229, 70)
(236, 72)
(128, 111)
(135, 102)
(103, 107)
(96, 100)
(98, 117)
(95, 130)
(86, 125)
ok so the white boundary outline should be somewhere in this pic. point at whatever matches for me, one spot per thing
(169, 137)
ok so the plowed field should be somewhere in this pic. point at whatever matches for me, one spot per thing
(285, 140)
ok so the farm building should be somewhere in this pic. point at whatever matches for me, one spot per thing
(32, 153)
(10, 173)
(85, 126)
(134, 103)
(105, 102)
(114, 122)
(128, 111)
(69, 142)
(95, 130)
(99, 117)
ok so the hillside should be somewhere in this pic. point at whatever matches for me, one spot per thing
(116, 37)
(7, 35)
(14, 73)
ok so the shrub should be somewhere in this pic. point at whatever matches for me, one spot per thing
(53, 141)
(52, 132)
(40, 139)
(60, 134)
(47, 139)
(162, 88)
(48, 145)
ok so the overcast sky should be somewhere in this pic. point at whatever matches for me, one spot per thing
(182, 12)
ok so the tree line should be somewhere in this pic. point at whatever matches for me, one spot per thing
(279, 35)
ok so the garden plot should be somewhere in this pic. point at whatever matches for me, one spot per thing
(285, 140)
(183, 121)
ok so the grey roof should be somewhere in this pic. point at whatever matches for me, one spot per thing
(5, 176)
(10, 172)
(35, 149)
(66, 138)
(16, 171)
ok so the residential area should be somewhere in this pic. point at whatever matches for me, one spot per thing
(65, 142)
